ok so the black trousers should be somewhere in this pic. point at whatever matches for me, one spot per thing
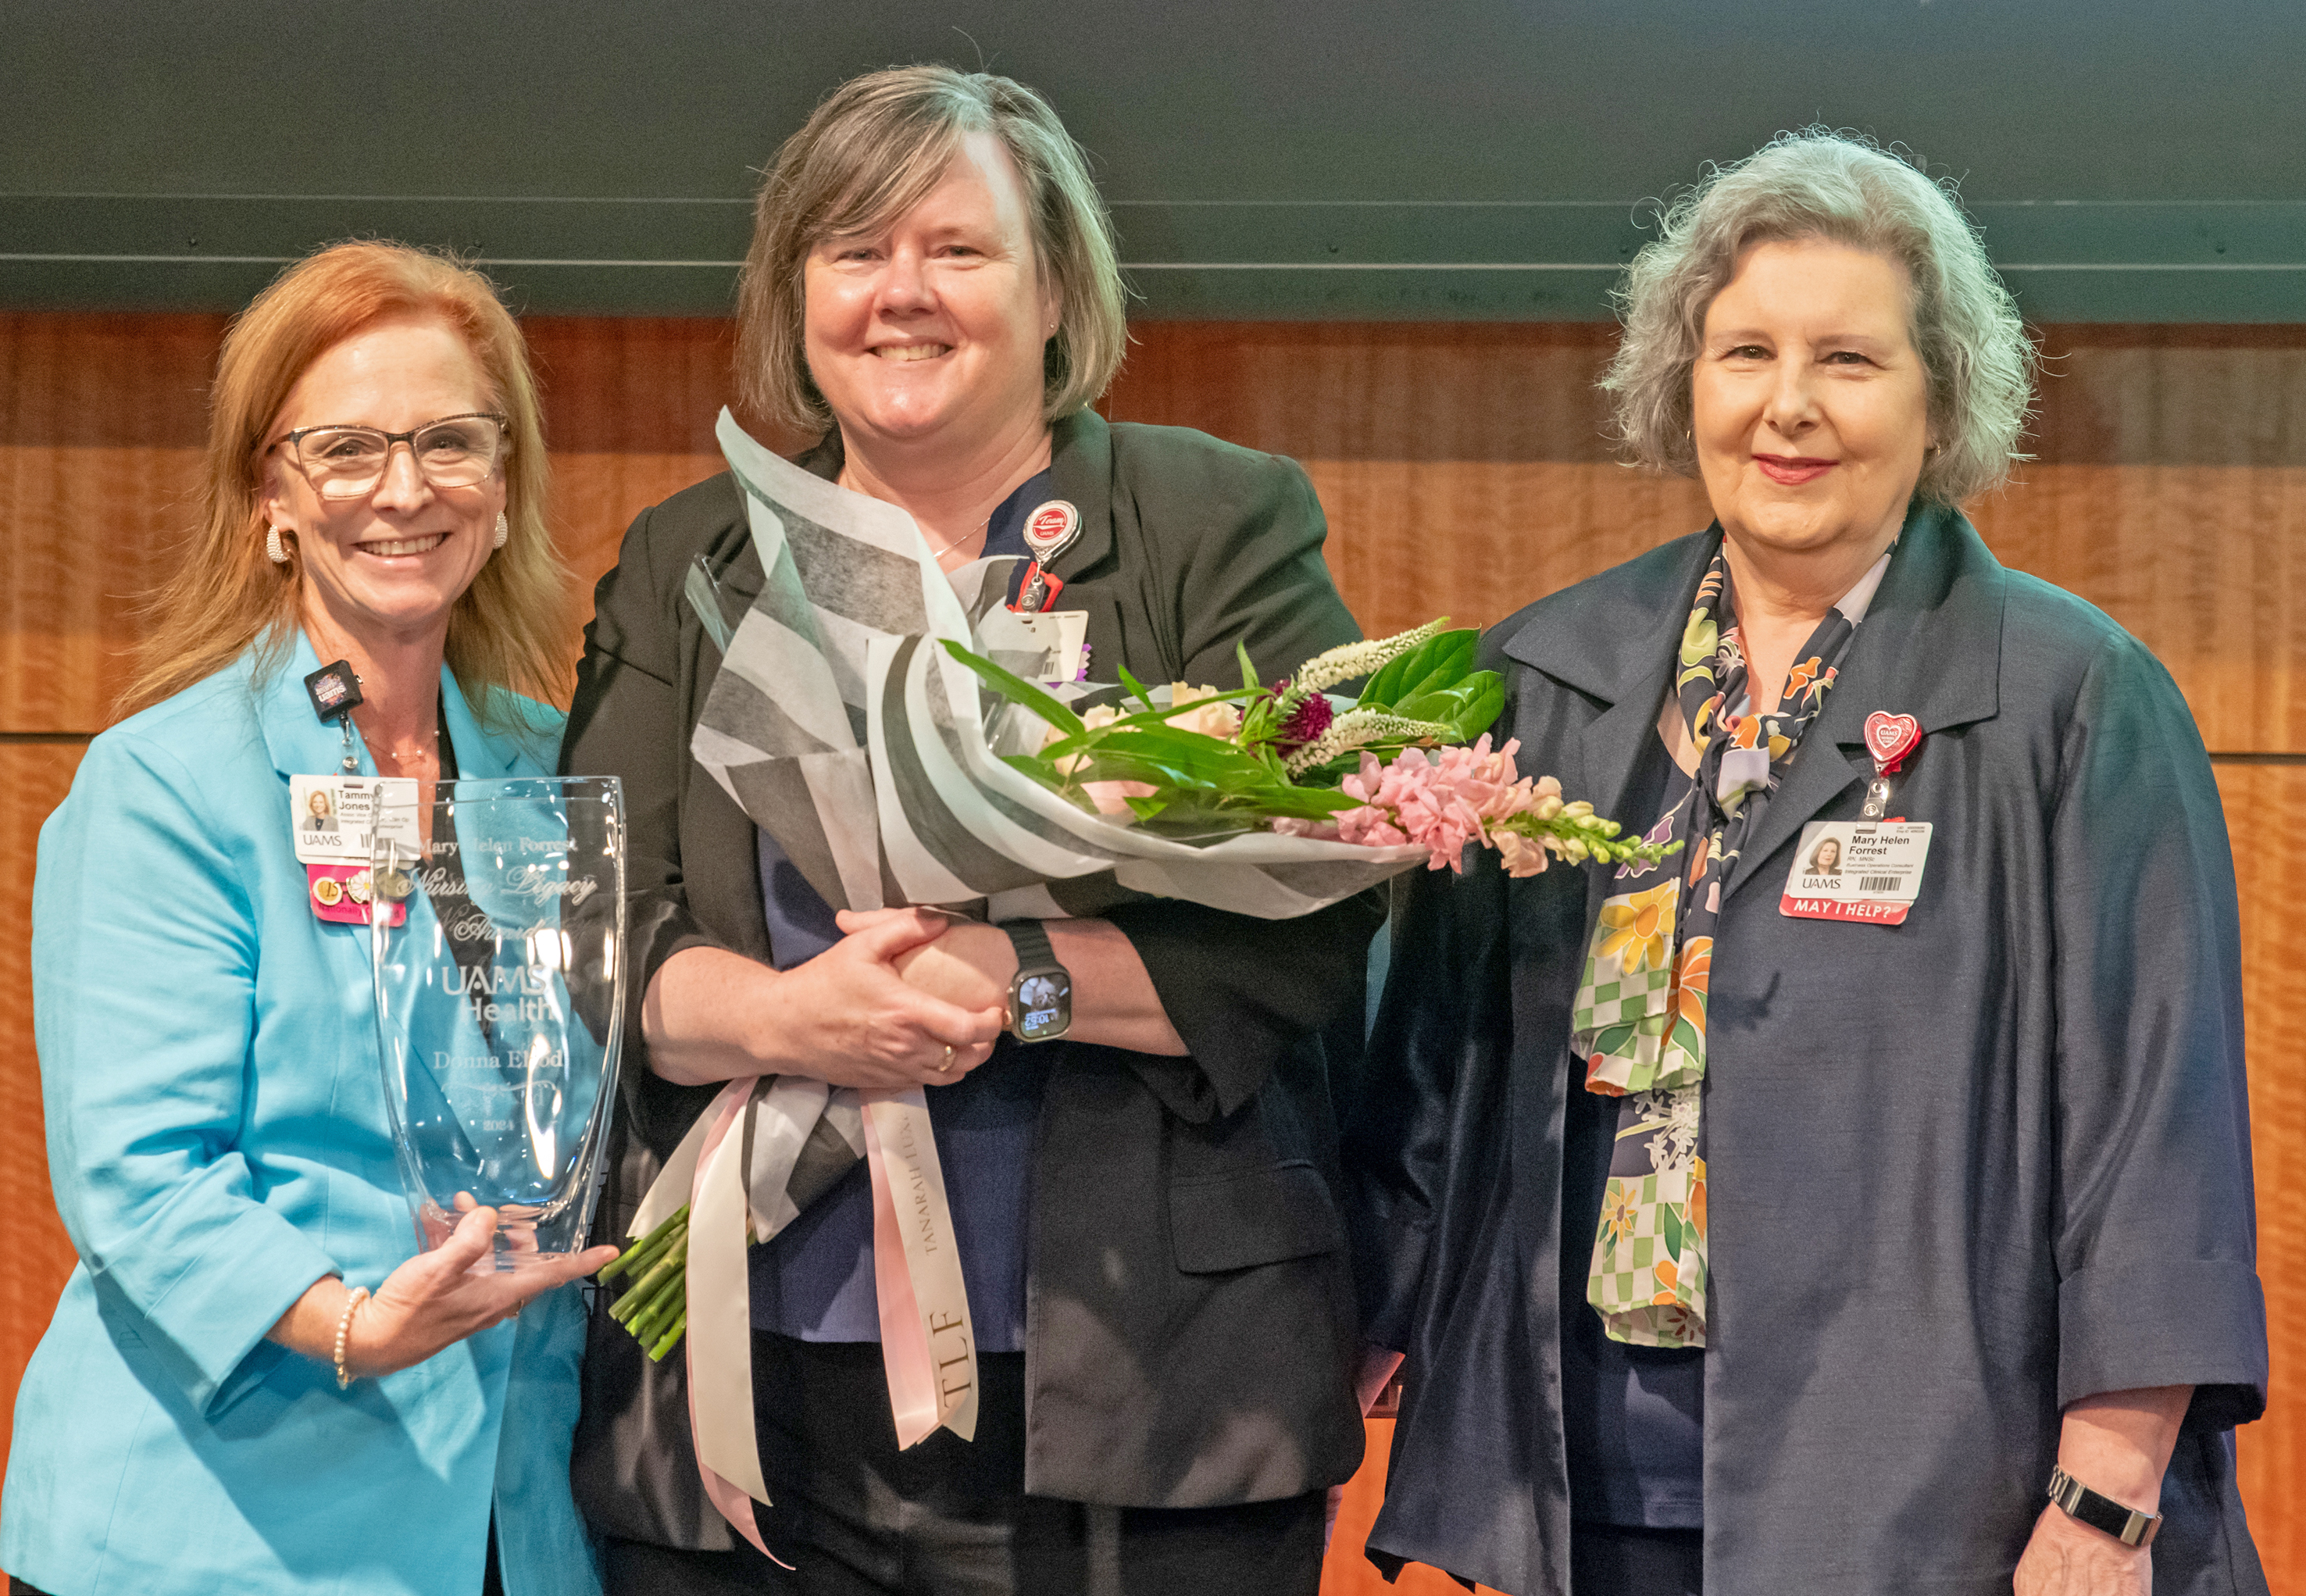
(856, 1517)
(1608, 1561)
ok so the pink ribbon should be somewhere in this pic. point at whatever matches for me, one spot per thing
(927, 1347)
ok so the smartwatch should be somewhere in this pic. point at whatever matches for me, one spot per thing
(2125, 1524)
(1041, 997)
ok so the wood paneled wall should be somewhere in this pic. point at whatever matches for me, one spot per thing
(1464, 472)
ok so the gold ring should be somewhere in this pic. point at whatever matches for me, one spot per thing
(948, 1059)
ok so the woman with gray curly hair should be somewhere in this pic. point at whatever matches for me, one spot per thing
(1783, 1231)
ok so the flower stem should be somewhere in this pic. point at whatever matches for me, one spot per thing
(645, 1252)
(675, 1257)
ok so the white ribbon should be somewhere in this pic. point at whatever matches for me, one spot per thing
(928, 1343)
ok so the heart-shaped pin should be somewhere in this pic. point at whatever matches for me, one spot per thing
(1891, 738)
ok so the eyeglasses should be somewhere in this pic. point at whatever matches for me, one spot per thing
(456, 451)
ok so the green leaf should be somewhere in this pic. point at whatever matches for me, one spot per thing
(1087, 740)
(1040, 770)
(1136, 687)
(1435, 664)
(1016, 689)
(1145, 736)
(1451, 660)
(1468, 707)
(1186, 822)
(1379, 691)
(1166, 756)
(1481, 709)
(1669, 1228)
(1248, 671)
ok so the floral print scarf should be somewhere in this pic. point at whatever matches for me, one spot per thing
(1639, 1020)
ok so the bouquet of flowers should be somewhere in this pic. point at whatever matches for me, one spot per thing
(1388, 768)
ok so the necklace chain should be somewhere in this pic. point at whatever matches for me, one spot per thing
(941, 552)
(401, 757)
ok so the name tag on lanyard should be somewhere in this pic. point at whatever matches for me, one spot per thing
(334, 823)
(337, 819)
(1857, 870)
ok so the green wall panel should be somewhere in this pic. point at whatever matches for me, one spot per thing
(1461, 160)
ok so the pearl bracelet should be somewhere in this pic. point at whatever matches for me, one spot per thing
(344, 1334)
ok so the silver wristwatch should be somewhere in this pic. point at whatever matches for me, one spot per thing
(2125, 1524)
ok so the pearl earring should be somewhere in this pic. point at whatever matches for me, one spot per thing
(504, 530)
(273, 548)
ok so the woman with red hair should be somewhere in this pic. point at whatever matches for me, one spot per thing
(251, 1385)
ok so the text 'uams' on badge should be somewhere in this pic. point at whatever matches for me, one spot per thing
(1857, 870)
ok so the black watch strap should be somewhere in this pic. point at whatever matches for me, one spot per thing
(1030, 938)
(2079, 1501)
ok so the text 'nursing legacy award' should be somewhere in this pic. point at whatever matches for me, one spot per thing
(500, 1001)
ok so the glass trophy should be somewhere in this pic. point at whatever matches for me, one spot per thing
(498, 926)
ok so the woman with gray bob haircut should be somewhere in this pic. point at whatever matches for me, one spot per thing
(1778, 1290)
(932, 296)
(1965, 326)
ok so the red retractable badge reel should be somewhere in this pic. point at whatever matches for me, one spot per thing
(1049, 530)
(1892, 740)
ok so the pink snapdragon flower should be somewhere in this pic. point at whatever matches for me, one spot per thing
(1443, 801)
(1521, 856)
(1417, 799)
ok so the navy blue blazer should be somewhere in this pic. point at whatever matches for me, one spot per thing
(1961, 1171)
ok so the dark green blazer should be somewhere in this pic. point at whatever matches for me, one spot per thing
(1190, 1332)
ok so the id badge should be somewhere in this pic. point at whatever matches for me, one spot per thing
(1044, 646)
(1857, 870)
(334, 819)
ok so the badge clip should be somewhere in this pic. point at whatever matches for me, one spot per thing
(1892, 740)
(1039, 591)
(1051, 529)
(336, 691)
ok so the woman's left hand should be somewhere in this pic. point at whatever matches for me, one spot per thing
(438, 1298)
(969, 965)
(2066, 1557)
(972, 964)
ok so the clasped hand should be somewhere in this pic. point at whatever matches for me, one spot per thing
(907, 997)
(905, 985)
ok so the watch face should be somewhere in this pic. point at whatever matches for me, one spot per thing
(1044, 1006)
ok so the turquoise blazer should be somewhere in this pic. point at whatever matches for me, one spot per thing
(218, 1142)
